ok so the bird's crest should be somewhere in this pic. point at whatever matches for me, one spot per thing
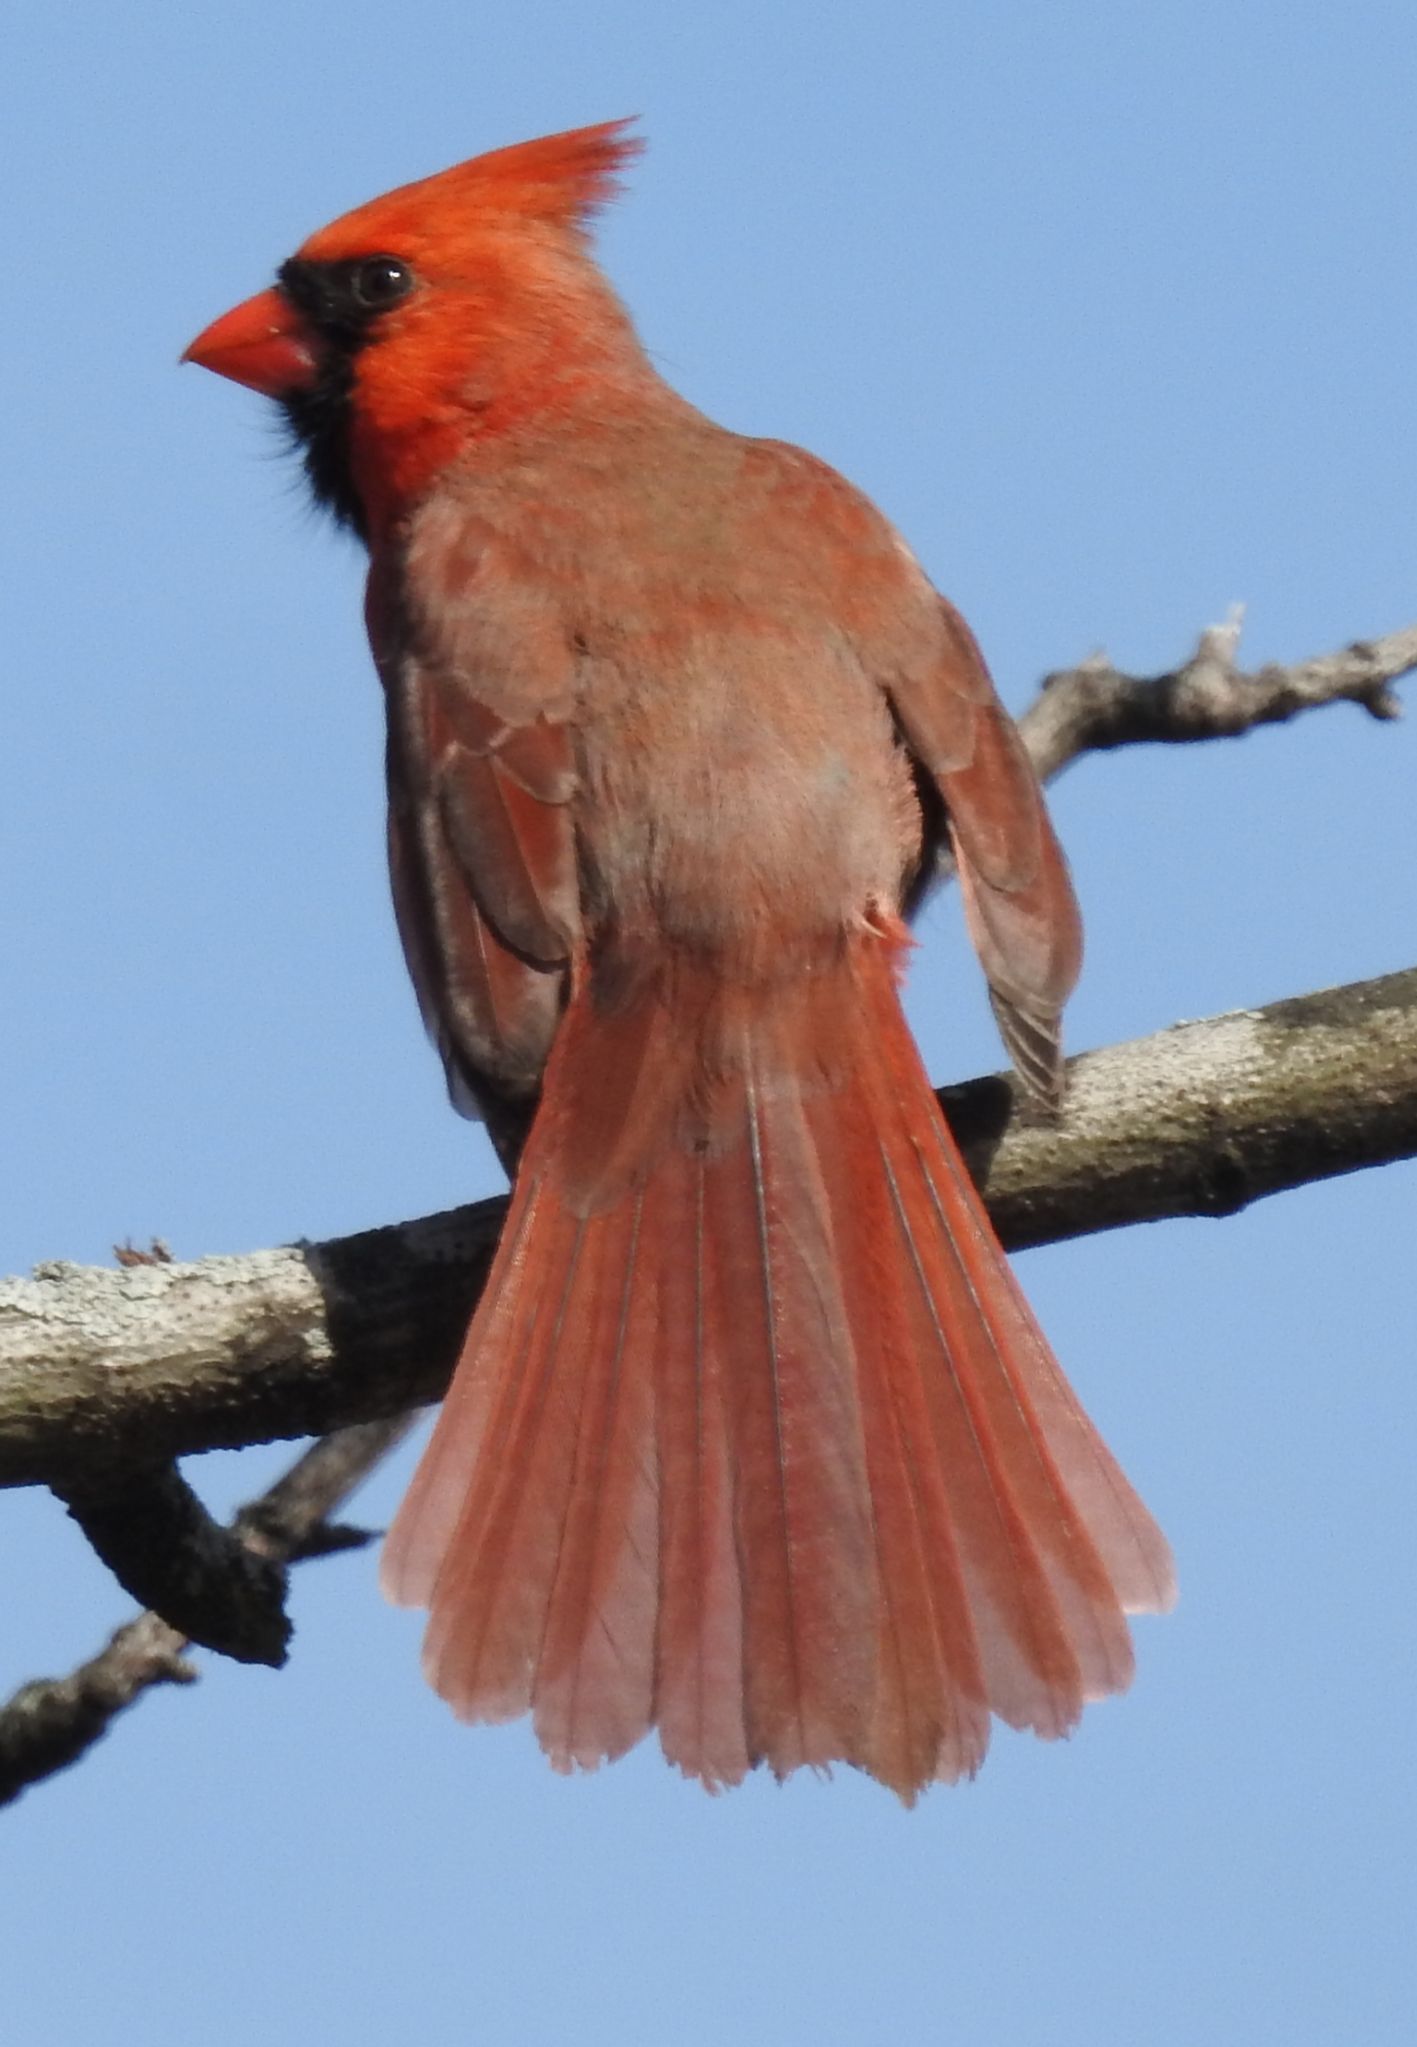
(557, 181)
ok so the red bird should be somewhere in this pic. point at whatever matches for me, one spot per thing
(754, 1439)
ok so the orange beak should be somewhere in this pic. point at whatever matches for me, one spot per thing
(262, 343)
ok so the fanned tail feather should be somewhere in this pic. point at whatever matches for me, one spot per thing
(754, 1438)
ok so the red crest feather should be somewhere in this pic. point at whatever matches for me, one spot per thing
(561, 178)
(557, 180)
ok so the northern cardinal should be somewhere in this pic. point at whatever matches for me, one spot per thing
(753, 1439)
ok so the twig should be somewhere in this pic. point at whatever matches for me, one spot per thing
(1094, 707)
(51, 1722)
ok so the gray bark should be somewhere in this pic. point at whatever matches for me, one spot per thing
(101, 1369)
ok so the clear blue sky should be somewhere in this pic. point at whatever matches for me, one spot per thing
(1111, 307)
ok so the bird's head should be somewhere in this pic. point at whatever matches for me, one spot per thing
(444, 311)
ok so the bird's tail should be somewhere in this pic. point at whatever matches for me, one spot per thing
(754, 1438)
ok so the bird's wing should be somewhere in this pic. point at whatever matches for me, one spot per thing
(1018, 899)
(482, 849)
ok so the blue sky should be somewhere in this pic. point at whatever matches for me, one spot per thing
(1111, 308)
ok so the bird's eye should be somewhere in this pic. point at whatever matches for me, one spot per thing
(380, 281)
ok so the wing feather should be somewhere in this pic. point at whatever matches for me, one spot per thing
(482, 846)
(1018, 899)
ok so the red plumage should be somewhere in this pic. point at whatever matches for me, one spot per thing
(754, 1439)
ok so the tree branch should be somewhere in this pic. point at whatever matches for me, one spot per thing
(165, 1550)
(52, 1722)
(105, 1378)
(99, 1368)
(1093, 707)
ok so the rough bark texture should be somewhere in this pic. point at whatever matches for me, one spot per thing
(101, 1368)
(165, 1550)
(1206, 1117)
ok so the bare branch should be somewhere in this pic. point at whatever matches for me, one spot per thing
(166, 1551)
(98, 1368)
(1093, 707)
(52, 1722)
(1204, 1118)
